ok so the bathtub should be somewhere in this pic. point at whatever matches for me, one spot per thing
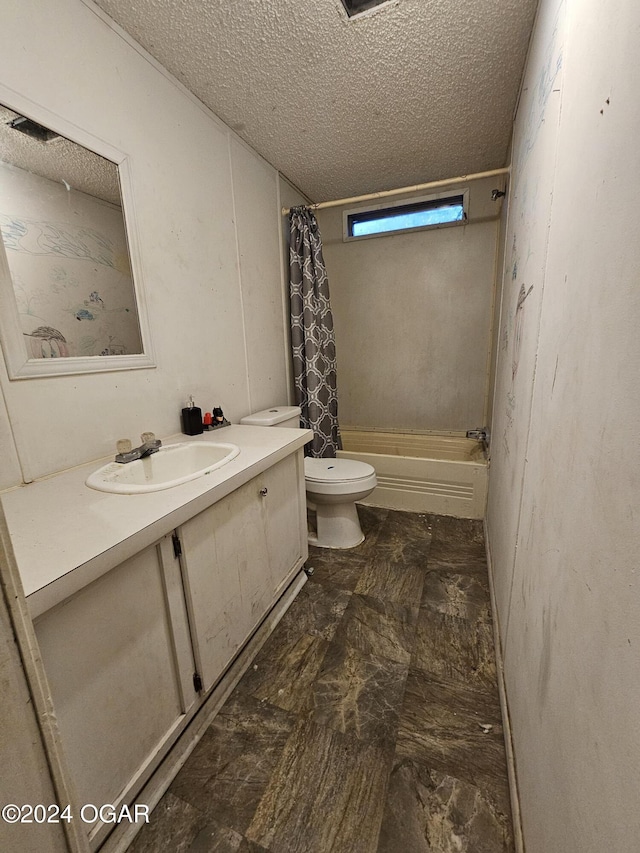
(442, 474)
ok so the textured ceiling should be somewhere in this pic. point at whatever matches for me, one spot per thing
(413, 91)
(59, 160)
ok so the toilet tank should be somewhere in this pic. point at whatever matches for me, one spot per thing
(280, 416)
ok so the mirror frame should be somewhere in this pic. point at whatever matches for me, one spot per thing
(19, 364)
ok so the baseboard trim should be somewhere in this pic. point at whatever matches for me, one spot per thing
(514, 794)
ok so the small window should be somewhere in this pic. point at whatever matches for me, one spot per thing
(357, 7)
(416, 214)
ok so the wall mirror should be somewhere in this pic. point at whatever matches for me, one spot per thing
(71, 298)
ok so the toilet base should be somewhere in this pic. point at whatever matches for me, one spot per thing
(337, 525)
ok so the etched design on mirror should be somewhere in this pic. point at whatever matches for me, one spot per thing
(67, 289)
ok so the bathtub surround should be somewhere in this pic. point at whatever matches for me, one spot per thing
(413, 318)
(369, 721)
(312, 337)
(563, 516)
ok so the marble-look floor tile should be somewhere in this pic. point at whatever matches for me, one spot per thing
(247, 846)
(359, 694)
(429, 811)
(317, 610)
(378, 628)
(414, 526)
(454, 650)
(387, 647)
(371, 518)
(457, 531)
(392, 578)
(229, 770)
(405, 536)
(336, 568)
(442, 727)
(215, 839)
(464, 533)
(173, 825)
(462, 595)
(326, 795)
(458, 558)
(285, 669)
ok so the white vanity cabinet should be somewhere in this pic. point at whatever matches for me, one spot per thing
(238, 556)
(148, 608)
(135, 640)
(119, 663)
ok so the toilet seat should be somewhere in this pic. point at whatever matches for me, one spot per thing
(329, 476)
(336, 470)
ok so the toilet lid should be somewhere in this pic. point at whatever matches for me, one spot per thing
(336, 470)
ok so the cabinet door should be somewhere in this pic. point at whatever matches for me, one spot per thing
(222, 550)
(237, 557)
(284, 516)
(113, 666)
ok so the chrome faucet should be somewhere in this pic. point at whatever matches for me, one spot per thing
(127, 453)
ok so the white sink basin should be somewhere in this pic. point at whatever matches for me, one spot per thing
(170, 466)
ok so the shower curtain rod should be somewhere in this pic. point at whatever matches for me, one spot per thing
(386, 193)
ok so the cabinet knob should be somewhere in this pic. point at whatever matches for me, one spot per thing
(263, 491)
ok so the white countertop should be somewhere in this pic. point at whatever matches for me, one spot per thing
(65, 535)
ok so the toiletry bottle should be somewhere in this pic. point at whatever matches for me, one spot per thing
(192, 419)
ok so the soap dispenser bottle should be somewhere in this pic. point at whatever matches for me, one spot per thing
(192, 419)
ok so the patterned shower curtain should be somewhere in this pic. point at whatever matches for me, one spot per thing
(312, 338)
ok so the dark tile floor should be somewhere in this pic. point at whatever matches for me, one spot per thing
(370, 720)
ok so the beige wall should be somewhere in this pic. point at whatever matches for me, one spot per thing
(563, 515)
(412, 316)
(257, 208)
(207, 219)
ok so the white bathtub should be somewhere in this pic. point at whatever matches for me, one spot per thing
(442, 474)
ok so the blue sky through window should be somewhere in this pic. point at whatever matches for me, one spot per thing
(414, 219)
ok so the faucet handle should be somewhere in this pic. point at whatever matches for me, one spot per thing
(123, 446)
(147, 437)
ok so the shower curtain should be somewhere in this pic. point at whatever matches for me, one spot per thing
(312, 339)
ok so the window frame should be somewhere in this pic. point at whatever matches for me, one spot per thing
(428, 200)
(363, 7)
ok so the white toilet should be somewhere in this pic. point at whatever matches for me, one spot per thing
(333, 485)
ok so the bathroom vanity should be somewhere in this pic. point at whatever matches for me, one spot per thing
(148, 608)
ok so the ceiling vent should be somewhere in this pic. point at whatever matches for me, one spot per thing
(357, 7)
(32, 129)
